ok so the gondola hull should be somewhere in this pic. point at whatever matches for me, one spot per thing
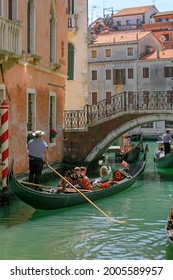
(165, 162)
(46, 200)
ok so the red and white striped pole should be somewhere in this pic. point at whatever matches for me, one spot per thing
(5, 142)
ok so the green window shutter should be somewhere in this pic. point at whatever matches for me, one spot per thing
(70, 62)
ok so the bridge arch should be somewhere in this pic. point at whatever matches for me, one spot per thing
(89, 132)
(105, 143)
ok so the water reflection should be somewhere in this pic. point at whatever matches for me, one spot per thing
(17, 213)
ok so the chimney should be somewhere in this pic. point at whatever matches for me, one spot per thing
(158, 54)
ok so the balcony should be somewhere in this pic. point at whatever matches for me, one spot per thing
(10, 41)
(72, 22)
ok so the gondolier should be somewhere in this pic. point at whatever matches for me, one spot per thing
(38, 154)
(166, 138)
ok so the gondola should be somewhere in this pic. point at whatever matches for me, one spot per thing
(165, 161)
(132, 156)
(169, 226)
(48, 200)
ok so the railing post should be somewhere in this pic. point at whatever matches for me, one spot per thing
(125, 101)
(86, 110)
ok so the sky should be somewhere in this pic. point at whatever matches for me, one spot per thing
(95, 7)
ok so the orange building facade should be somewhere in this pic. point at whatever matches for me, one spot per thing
(33, 74)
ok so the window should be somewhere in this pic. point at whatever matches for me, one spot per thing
(130, 51)
(94, 75)
(108, 52)
(130, 73)
(168, 124)
(1, 8)
(31, 10)
(138, 22)
(145, 72)
(52, 114)
(128, 22)
(31, 110)
(168, 72)
(148, 125)
(118, 23)
(12, 9)
(94, 98)
(166, 37)
(118, 76)
(70, 6)
(52, 34)
(108, 74)
(163, 19)
(108, 97)
(70, 61)
(94, 54)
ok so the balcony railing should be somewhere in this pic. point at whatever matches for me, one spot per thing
(72, 22)
(10, 38)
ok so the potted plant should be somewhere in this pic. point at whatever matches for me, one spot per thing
(53, 133)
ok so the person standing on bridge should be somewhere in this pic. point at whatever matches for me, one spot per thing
(166, 138)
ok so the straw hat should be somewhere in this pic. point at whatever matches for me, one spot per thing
(38, 133)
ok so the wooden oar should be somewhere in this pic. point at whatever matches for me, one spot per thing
(37, 185)
(113, 220)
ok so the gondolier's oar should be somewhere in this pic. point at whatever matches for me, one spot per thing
(37, 185)
(113, 220)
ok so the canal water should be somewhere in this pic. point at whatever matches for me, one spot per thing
(83, 233)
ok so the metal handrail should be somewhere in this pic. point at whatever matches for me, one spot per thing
(124, 102)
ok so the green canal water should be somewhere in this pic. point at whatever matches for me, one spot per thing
(83, 233)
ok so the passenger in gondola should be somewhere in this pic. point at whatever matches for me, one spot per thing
(160, 153)
(83, 180)
(167, 139)
(126, 140)
(71, 176)
(105, 176)
(124, 164)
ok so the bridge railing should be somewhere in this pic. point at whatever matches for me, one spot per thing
(119, 103)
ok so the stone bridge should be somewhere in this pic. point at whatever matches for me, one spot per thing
(89, 132)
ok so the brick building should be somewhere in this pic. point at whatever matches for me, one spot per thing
(33, 73)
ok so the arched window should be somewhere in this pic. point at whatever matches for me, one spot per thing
(70, 61)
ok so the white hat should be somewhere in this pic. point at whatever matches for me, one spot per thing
(38, 133)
